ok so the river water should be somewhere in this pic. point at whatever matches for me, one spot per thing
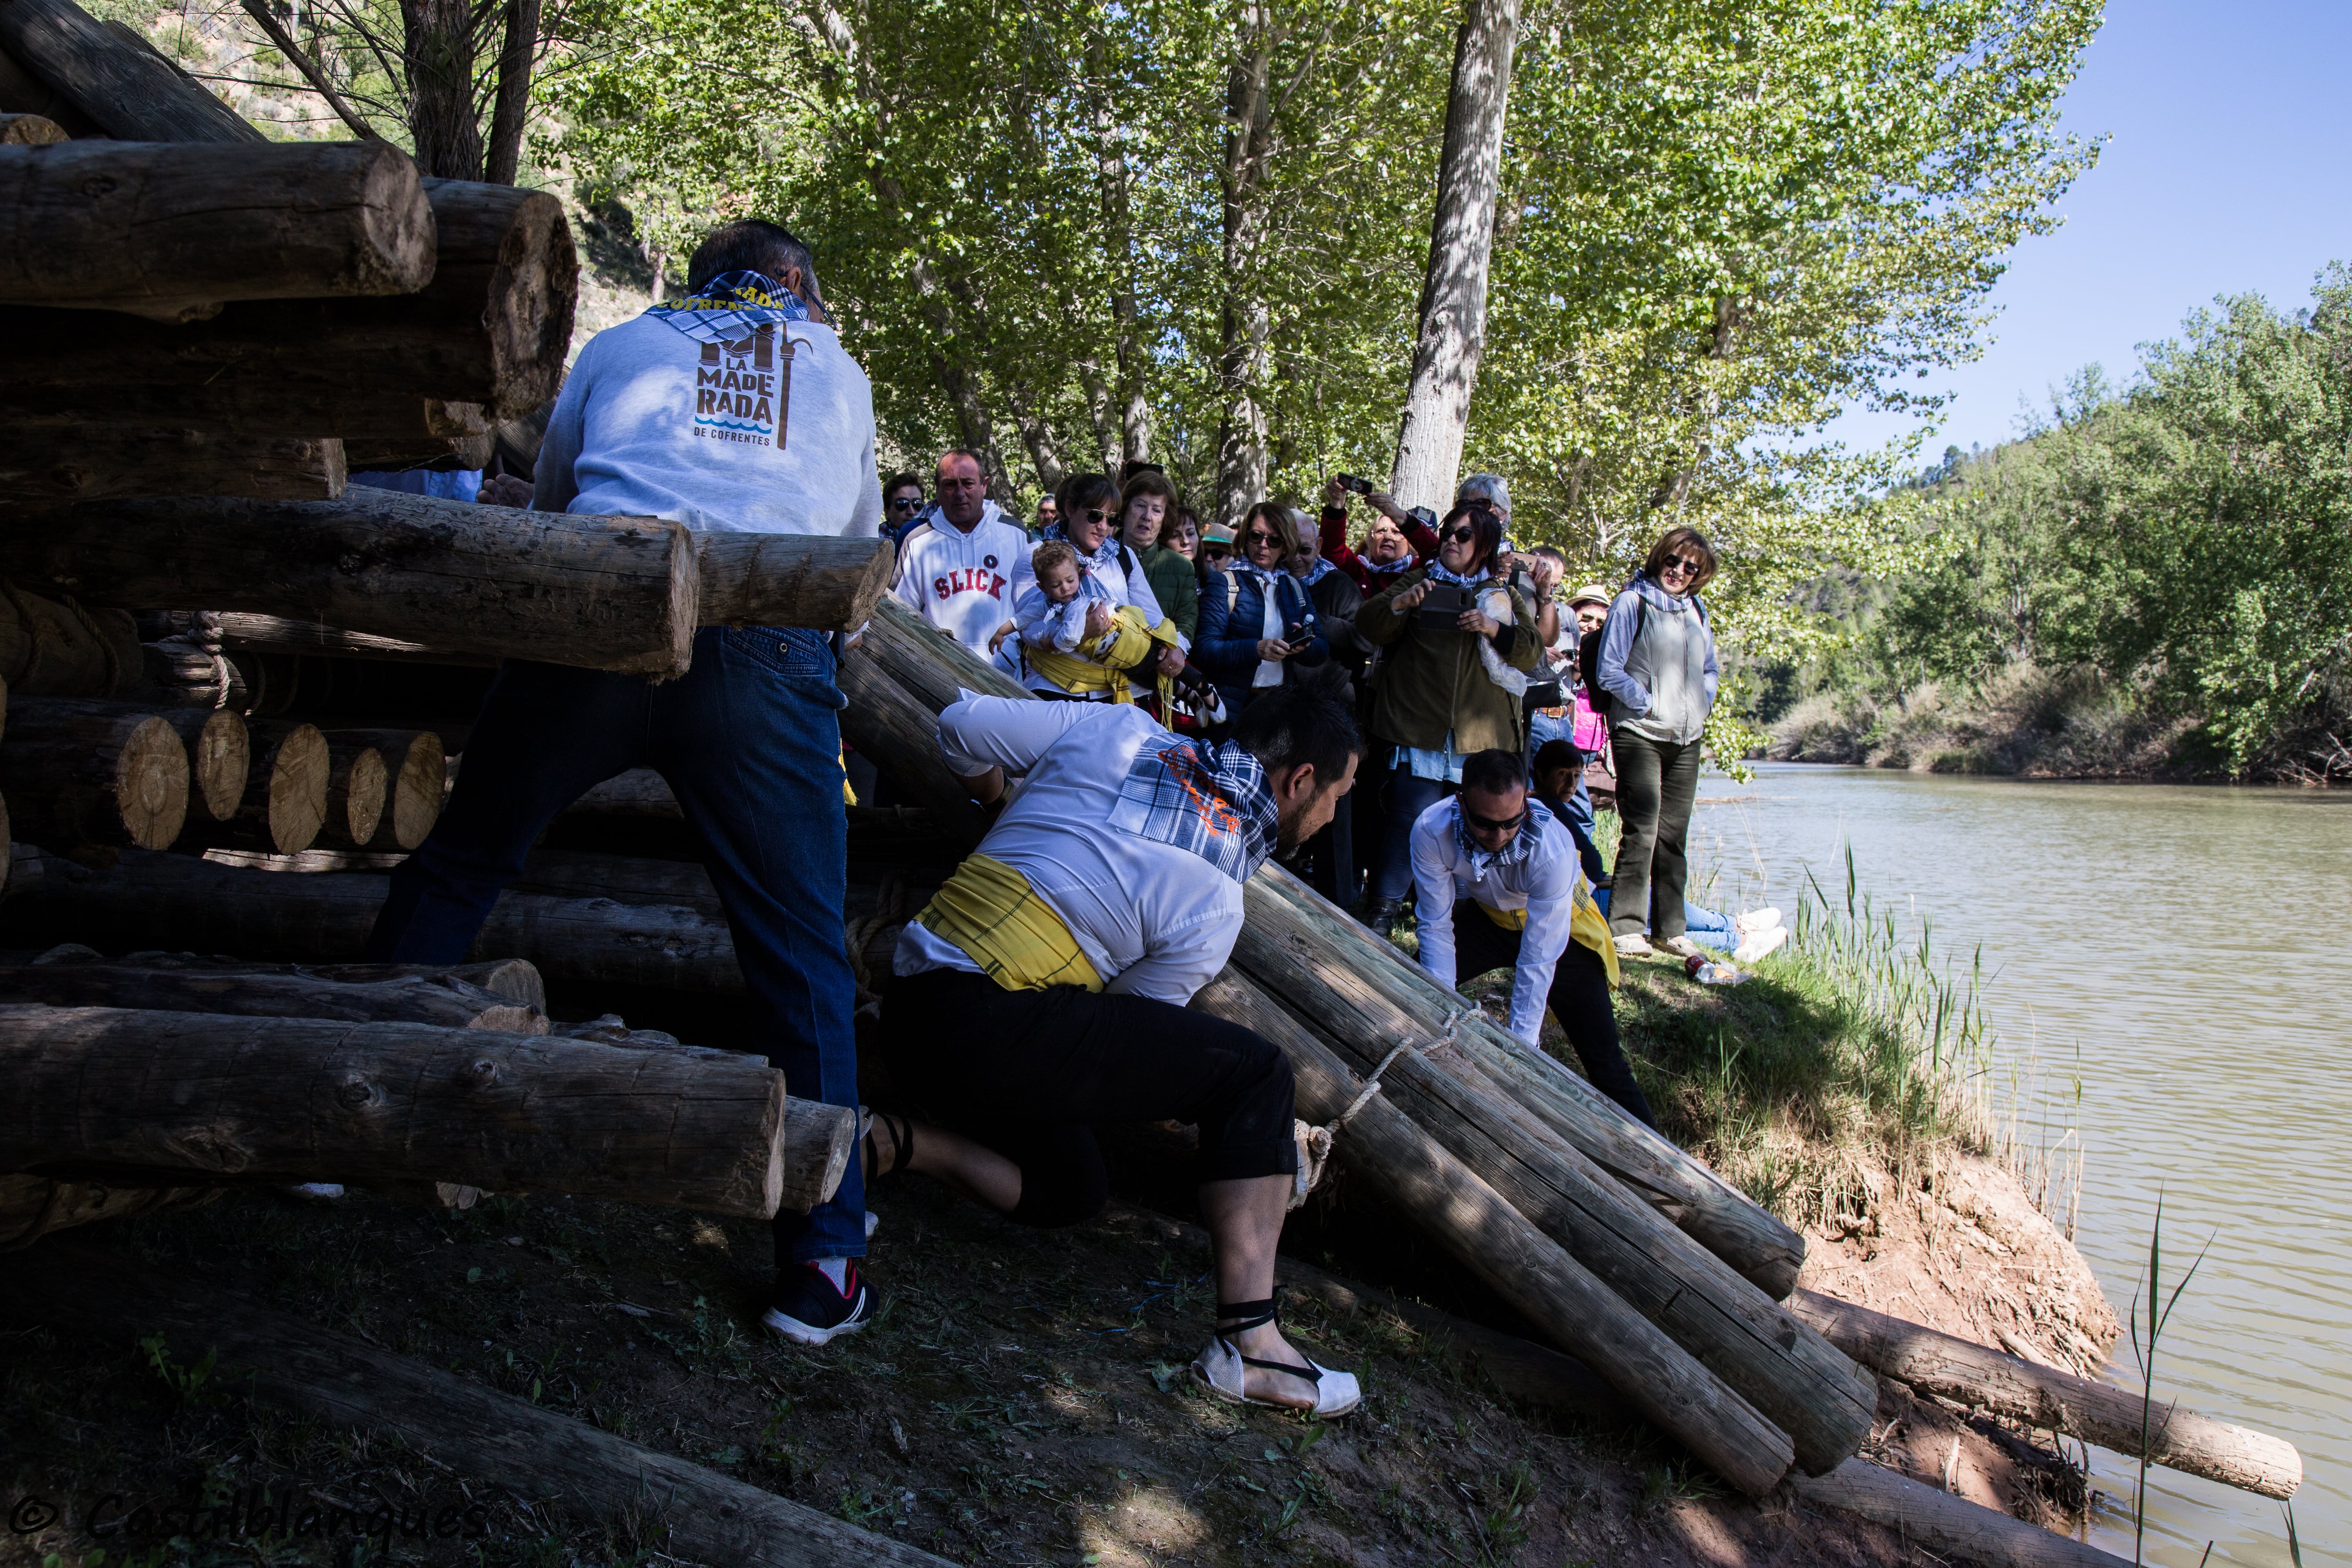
(2185, 954)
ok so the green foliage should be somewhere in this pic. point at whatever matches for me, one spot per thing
(186, 1381)
(2186, 540)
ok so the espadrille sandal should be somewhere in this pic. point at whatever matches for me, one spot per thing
(1222, 1369)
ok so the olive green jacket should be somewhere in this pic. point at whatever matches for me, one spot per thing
(1433, 684)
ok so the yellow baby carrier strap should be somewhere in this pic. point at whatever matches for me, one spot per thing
(1587, 925)
(989, 909)
(1119, 650)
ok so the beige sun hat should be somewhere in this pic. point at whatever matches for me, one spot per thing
(1593, 594)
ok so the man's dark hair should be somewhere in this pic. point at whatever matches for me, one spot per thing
(901, 481)
(1288, 725)
(1550, 552)
(1497, 771)
(753, 245)
(1557, 754)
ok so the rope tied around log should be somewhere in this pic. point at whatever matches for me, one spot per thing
(1316, 1143)
(889, 909)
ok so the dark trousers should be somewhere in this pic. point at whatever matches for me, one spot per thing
(1579, 999)
(1408, 798)
(1656, 782)
(750, 741)
(1029, 1074)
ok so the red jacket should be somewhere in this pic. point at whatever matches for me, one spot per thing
(1370, 579)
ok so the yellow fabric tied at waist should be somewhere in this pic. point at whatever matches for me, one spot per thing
(989, 909)
(1124, 647)
(1586, 925)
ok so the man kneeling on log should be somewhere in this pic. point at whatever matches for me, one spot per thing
(1043, 990)
(736, 410)
(1495, 882)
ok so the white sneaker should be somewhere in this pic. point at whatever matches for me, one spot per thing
(1633, 944)
(1755, 920)
(1756, 944)
(1680, 946)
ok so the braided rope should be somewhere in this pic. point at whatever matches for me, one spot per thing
(1316, 1143)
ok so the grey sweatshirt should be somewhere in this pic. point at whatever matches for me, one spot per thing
(1657, 664)
(654, 424)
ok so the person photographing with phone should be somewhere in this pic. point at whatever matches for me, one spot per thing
(1458, 646)
(1258, 619)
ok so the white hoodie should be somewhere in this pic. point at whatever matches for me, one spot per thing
(965, 583)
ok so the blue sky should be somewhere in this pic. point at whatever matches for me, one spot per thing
(2228, 167)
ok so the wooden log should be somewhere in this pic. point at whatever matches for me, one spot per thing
(275, 633)
(623, 878)
(47, 464)
(172, 233)
(417, 770)
(441, 1000)
(220, 757)
(115, 78)
(102, 776)
(32, 1206)
(484, 340)
(2017, 1390)
(285, 801)
(357, 792)
(470, 450)
(606, 593)
(29, 130)
(462, 1428)
(1289, 917)
(511, 980)
(791, 580)
(1788, 1371)
(640, 791)
(101, 1089)
(1951, 1527)
(162, 900)
(57, 646)
(1382, 1147)
(26, 96)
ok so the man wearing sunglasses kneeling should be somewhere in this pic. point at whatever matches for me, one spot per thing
(1496, 884)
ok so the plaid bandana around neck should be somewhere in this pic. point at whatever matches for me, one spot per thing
(1211, 800)
(1440, 572)
(1522, 845)
(731, 307)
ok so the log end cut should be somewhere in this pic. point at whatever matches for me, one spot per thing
(296, 802)
(151, 783)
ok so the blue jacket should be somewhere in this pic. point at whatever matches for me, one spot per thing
(1226, 647)
(1656, 663)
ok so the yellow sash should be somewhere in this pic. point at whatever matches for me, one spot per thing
(1587, 925)
(989, 909)
(1119, 650)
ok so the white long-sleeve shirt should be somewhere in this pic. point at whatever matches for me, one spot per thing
(1117, 587)
(1543, 884)
(964, 583)
(1154, 920)
(639, 432)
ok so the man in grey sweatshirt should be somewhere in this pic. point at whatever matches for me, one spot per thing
(736, 410)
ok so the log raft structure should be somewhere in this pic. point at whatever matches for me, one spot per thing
(208, 771)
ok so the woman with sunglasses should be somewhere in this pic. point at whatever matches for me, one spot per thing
(1657, 671)
(1449, 686)
(1113, 578)
(1257, 617)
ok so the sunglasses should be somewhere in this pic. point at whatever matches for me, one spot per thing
(1678, 564)
(1478, 824)
(1462, 533)
(1259, 536)
(1095, 514)
(907, 503)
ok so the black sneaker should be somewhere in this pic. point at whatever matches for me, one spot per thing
(806, 1310)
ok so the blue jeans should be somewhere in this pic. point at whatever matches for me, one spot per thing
(1709, 928)
(1407, 798)
(750, 741)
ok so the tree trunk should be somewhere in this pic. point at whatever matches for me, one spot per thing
(492, 328)
(357, 790)
(170, 233)
(1452, 335)
(511, 980)
(602, 592)
(53, 463)
(462, 1428)
(1949, 1368)
(1100, 416)
(155, 902)
(115, 77)
(790, 580)
(100, 1089)
(220, 757)
(444, 1001)
(60, 647)
(437, 53)
(510, 110)
(416, 783)
(285, 804)
(1118, 243)
(103, 776)
(1247, 322)
(275, 634)
(1045, 452)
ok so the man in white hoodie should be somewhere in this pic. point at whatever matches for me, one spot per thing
(963, 565)
(736, 410)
